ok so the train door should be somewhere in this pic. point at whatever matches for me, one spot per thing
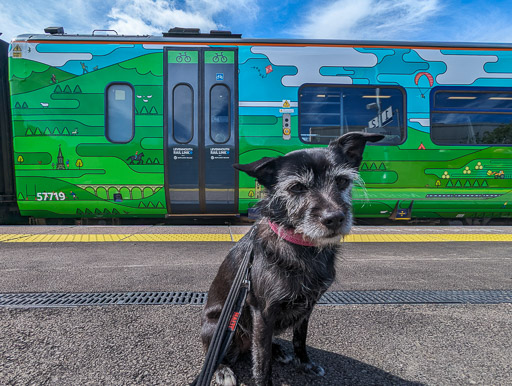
(201, 116)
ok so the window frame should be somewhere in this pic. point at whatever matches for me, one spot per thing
(402, 90)
(107, 131)
(466, 90)
(192, 130)
(210, 113)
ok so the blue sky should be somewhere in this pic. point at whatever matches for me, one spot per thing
(421, 20)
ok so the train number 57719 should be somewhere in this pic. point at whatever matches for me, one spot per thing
(49, 196)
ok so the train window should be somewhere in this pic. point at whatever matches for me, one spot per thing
(471, 117)
(119, 116)
(220, 107)
(328, 111)
(183, 113)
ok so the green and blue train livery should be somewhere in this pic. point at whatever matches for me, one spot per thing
(143, 126)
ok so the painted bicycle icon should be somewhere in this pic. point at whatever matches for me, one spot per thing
(183, 57)
(219, 56)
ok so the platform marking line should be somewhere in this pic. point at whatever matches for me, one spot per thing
(186, 237)
(203, 237)
(11, 236)
(422, 238)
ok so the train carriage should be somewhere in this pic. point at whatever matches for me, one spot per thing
(145, 126)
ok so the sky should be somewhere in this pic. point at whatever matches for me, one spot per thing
(398, 20)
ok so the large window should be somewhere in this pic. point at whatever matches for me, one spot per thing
(119, 116)
(183, 113)
(327, 112)
(471, 117)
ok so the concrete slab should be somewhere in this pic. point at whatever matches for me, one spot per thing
(357, 345)
(157, 266)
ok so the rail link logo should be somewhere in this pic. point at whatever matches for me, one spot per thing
(219, 153)
(183, 152)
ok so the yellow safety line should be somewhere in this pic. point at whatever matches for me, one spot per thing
(206, 237)
(425, 238)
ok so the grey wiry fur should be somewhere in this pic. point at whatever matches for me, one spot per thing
(308, 191)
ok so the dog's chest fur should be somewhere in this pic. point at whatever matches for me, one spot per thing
(288, 279)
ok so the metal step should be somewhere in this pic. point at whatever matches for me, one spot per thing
(60, 299)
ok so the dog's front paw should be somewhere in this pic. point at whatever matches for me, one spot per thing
(311, 368)
(224, 376)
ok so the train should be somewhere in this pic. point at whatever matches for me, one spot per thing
(117, 126)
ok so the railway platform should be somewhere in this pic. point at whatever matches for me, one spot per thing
(121, 305)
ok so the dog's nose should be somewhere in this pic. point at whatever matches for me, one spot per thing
(333, 220)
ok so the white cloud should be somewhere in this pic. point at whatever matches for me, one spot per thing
(156, 16)
(434, 20)
(308, 71)
(129, 17)
(367, 19)
(31, 17)
(473, 66)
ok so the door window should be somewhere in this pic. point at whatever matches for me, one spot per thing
(182, 113)
(220, 108)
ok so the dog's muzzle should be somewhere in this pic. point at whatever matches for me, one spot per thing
(333, 220)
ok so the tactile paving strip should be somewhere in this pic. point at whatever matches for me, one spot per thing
(38, 300)
(206, 237)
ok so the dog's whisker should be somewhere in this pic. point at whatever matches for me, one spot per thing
(360, 182)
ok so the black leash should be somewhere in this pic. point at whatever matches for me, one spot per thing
(228, 321)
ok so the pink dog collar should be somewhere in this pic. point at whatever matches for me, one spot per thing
(289, 235)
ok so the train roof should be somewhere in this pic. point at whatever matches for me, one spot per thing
(194, 36)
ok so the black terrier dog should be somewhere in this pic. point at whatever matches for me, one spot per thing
(306, 210)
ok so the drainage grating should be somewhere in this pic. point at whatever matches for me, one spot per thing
(29, 300)
(417, 297)
(36, 300)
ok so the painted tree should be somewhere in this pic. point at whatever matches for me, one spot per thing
(20, 159)
(79, 163)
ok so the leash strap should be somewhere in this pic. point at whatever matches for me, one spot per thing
(228, 321)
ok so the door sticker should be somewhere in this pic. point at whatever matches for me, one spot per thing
(219, 152)
(182, 153)
(183, 57)
(219, 57)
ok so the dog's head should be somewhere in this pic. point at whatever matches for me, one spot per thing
(309, 190)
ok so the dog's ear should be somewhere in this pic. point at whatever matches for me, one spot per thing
(351, 145)
(264, 170)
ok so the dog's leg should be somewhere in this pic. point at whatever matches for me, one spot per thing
(300, 332)
(279, 355)
(224, 375)
(262, 348)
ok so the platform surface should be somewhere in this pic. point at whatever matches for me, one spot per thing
(384, 344)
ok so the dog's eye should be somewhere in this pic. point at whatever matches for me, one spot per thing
(297, 188)
(342, 183)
